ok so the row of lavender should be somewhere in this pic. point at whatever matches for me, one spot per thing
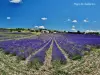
(24, 47)
(40, 56)
(89, 39)
(72, 44)
(57, 55)
(77, 44)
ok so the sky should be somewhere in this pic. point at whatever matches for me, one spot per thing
(51, 14)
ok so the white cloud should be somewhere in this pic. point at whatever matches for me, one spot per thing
(74, 29)
(74, 21)
(85, 20)
(44, 18)
(8, 18)
(35, 26)
(15, 1)
(73, 26)
(41, 27)
(69, 20)
(91, 31)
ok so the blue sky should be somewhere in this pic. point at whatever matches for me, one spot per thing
(60, 14)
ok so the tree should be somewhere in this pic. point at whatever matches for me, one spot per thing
(78, 32)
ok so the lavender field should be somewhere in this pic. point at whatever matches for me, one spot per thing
(50, 54)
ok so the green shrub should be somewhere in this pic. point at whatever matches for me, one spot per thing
(7, 52)
(13, 54)
(19, 58)
(76, 57)
(2, 72)
(56, 64)
(36, 64)
(86, 52)
(59, 72)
